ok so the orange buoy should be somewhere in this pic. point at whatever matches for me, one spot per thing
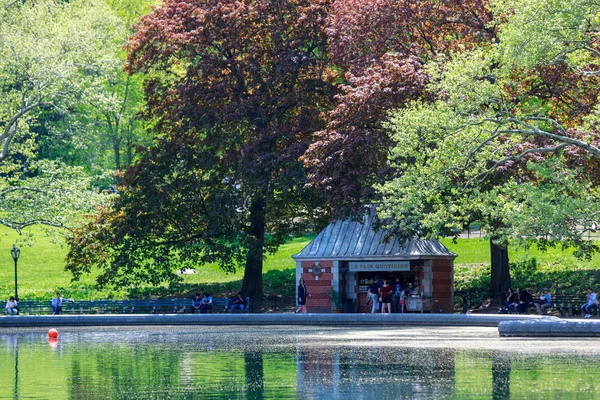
(53, 333)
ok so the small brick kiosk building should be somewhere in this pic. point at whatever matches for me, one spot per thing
(347, 255)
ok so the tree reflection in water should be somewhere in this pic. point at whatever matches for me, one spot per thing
(145, 363)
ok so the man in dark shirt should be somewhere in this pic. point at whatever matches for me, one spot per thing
(196, 303)
(237, 303)
(525, 299)
(373, 294)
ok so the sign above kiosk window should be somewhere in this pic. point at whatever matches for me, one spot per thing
(360, 266)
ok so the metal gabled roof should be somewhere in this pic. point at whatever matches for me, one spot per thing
(352, 240)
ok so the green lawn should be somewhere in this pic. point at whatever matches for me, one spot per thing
(476, 251)
(41, 273)
(41, 270)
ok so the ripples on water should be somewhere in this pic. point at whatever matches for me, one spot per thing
(291, 363)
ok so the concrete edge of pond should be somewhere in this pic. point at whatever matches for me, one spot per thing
(489, 320)
(549, 328)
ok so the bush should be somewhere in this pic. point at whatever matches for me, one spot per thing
(473, 279)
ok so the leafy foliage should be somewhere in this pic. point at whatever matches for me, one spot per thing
(47, 65)
(484, 150)
(236, 89)
(503, 141)
(381, 48)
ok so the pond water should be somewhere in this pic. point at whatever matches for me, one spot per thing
(293, 363)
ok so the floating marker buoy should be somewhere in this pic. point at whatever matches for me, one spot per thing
(53, 333)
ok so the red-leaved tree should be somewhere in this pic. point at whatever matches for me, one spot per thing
(382, 47)
(236, 88)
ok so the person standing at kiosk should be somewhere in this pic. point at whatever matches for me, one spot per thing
(386, 297)
(373, 294)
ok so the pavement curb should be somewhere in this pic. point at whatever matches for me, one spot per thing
(486, 320)
(549, 328)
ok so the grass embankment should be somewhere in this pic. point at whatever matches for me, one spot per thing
(41, 273)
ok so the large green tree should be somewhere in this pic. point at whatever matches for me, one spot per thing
(103, 131)
(509, 138)
(236, 88)
(50, 54)
(49, 51)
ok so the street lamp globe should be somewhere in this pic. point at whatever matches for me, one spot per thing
(15, 252)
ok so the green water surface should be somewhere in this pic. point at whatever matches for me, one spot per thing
(293, 363)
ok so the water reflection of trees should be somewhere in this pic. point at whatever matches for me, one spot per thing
(380, 372)
(500, 376)
(192, 366)
(253, 362)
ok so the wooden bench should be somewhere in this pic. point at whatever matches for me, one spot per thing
(566, 304)
(171, 306)
(220, 305)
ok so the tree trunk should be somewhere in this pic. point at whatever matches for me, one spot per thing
(117, 151)
(500, 280)
(252, 285)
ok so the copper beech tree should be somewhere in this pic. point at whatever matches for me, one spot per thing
(382, 48)
(235, 89)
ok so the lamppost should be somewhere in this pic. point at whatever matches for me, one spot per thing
(15, 252)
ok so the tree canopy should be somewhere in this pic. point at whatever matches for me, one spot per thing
(236, 89)
(381, 48)
(509, 138)
(46, 71)
(268, 116)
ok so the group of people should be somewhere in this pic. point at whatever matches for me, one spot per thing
(203, 304)
(12, 306)
(517, 302)
(382, 295)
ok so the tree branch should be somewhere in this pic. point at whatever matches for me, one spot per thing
(23, 189)
(518, 157)
(18, 226)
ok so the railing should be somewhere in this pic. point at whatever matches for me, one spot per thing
(33, 307)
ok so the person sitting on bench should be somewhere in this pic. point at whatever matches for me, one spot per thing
(544, 302)
(207, 303)
(591, 304)
(525, 299)
(196, 303)
(237, 303)
(11, 306)
(57, 303)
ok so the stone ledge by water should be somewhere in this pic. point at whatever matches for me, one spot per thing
(550, 328)
(264, 319)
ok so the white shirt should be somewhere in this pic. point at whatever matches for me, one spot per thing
(11, 304)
